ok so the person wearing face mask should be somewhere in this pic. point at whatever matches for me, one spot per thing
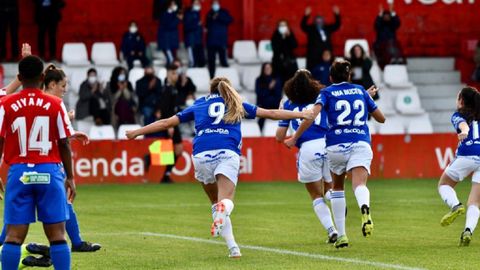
(318, 35)
(168, 35)
(218, 20)
(185, 86)
(86, 94)
(386, 46)
(160, 6)
(119, 83)
(149, 92)
(193, 33)
(133, 46)
(284, 62)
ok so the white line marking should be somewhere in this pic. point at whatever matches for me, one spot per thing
(272, 250)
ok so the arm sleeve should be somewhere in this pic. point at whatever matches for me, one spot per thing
(336, 25)
(250, 110)
(457, 118)
(64, 125)
(186, 115)
(321, 99)
(304, 24)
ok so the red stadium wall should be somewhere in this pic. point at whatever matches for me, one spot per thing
(429, 27)
(263, 159)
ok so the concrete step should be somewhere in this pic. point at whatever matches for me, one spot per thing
(443, 129)
(434, 77)
(440, 117)
(431, 64)
(441, 90)
(439, 104)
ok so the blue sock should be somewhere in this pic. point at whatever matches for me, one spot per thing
(4, 234)
(72, 228)
(11, 256)
(60, 254)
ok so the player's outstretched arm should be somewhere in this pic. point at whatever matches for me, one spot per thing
(281, 134)
(378, 116)
(303, 127)
(66, 156)
(157, 126)
(284, 114)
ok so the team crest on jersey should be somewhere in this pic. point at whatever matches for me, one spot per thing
(29, 178)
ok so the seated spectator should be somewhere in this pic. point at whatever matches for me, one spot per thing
(284, 62)
(133, 46)
(124, 105)
(118, 74)
(185, 86)
(94, 100)
(85, 94)
(149, 92)
(386, 46)
(168, 35)
(361, 65)
(476, 74)
(268, 89)
(321, 72)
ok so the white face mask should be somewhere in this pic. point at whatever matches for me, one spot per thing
(122, 77)
(283, 29)
(92, 79)
(174, 8)
(189, 102)
(133, 29)
(196, 7)
(216, 7)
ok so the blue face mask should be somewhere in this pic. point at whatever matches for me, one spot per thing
(122, 77)
(216, 7)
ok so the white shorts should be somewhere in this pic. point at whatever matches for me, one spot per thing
(209, 164)
(463, 166)
(312, 162)
(346, 156)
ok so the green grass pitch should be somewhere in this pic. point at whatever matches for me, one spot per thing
(141, 227)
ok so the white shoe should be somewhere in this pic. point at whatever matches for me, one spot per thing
(235, 253)
(219, 220)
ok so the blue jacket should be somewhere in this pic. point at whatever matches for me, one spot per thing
(268, 98)
(217, 26)
(192, 28)
(321, 73)
(167, 37)
(132, 42)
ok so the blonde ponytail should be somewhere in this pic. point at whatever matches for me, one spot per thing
(233, 101)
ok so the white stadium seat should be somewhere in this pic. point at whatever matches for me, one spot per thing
(232, 74)
(75, 54)
(162, 74)
(250, 128)
(84, 125)
(302, 62)
(372, 127)
(385, 103)
(123, 128)
(135, 74)
(265, 51)
(104, 53)
(245, 52)
(201, 79)
(408, 103)
(376, 74)
(270, 128)
(249, 76)
(105, 132)
(420, 125)
(393, 125)
(352, 42)
(396, 77)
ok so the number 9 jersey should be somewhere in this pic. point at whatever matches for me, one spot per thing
(347, 106)
(31, 122)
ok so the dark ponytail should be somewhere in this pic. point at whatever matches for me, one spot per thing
(340, 71)
(53, 74)
(471, 103)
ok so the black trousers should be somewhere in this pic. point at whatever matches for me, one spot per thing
(196, 55)
(212, 52)
(47, 26)
(9, 21)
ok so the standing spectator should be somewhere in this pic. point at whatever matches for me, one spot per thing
(321, 72)
(476, 58)
(94, 100)
(159, 6)
(133, 46)
(284, 62)
(318, 35)
(193, 34)
(149, 92)
(268, 89)
(9, 21)
(218, 20)
(48, 15)
(185, 86)
(386, 46)
(361, 65)
(168, 37)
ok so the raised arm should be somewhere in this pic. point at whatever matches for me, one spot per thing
(157, 126)
(303, 127)
(284, 114)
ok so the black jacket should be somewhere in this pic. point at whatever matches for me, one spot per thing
(168, 102)
(284, 62)
(148, 97)
(51, 14)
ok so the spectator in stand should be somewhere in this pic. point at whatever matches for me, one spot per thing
(118, 74)
(321, 72)
(185, 86)
(361, 65)
(193, 35)
(268, 88)
(133, 46)
(85, 94)
(386, 46)
(284, 62)
(168, 34)
(318, 35)
(94, 100)
(149, 92)
(47, 16)
(9, 21)
(124, 106)
(476, 74)
(160, 6)
(218, 20)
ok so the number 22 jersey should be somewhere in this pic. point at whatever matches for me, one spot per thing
(31, 122)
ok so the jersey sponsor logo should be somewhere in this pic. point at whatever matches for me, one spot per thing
(221, 131)
(30, 178)
(354, 130)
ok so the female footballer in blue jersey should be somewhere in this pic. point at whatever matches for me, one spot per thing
(467, 161)
(313, 171)
(348, 143)
(216, 147)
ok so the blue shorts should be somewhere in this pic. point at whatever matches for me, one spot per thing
(35, 187)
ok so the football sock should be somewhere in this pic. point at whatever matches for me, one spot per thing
(328, 195)
(338, 208)
(72, 228)
(324, 215)
(473, 213)
(227, 234)
(60, 254)
(11, 253)
(449, 196)
(363, 196)
(228, 205)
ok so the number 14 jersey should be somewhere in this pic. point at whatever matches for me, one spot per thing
(31, 122)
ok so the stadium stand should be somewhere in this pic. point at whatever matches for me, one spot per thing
(123, 128)
(75, 54)
(105, 132)
(265, 52)
(245, 52)
(349, 43)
